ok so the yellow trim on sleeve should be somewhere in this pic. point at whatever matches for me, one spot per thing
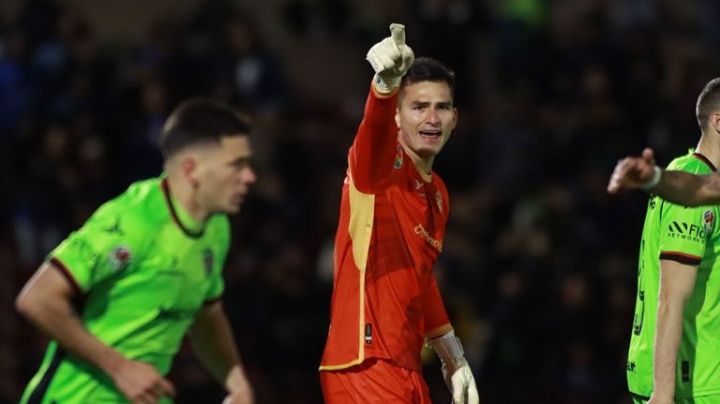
(362, 212)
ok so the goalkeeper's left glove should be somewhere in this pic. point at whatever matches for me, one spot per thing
(456, 371)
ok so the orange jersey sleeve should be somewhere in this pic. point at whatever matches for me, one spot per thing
(373, 152)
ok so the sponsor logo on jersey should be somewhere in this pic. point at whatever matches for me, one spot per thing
(208, 260)
(708, 221)
(420, 231)
(398, 158)
(120, 258)
(685, 231)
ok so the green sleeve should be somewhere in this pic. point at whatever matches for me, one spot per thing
(104, 246)
(684, 232)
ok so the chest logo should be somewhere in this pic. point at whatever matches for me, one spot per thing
(439, 201)
(115, 228)
(208, 261)
(398, 158)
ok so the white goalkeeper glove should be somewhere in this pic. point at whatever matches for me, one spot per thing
(391, 59)
(455, 369)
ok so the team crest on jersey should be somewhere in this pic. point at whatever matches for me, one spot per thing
(419, 188)
(208, 260)
(398, 158)
(438, 200)
(119, 258)
(708, 221)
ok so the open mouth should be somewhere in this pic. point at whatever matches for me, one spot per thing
(430, 134)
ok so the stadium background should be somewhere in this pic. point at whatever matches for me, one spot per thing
(538, 269)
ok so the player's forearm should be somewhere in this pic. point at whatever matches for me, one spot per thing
(667, 341)
(212, 341)
(687, 189)
(57, 319)
(374, 149)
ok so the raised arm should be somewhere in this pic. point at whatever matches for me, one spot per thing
(688, 189)
(374, 150)
(674, 186)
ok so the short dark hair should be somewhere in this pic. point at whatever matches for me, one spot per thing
(708, 101)
(429, 69)
(200, 121)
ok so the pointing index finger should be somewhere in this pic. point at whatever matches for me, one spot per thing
(397, 31)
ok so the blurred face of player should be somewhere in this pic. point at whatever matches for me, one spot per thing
(426, 117)
(224, 175)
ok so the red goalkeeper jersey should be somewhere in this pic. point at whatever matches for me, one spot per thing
(390, 233)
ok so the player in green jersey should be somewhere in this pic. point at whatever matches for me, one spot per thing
(674, 354)
(147, 269)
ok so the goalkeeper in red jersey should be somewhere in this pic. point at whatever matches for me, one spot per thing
(393, 214)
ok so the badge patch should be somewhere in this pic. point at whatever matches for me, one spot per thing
(708, 221)
(398, 158)
(419, 188)
(208, 260)
(119, 258)
(439, 201)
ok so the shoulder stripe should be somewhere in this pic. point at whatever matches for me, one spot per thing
(682, 258)
(60, 266)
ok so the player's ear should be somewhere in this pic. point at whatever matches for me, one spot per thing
(455, 118)
(715, 121)
(188, 169)
(397, 117)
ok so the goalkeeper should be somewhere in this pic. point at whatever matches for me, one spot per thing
(119, 294)
(393, 214)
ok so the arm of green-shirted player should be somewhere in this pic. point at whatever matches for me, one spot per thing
(677, 282)
(212, 341)
(46, 301)
(675, 186)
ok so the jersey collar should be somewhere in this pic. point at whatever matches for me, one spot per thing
(705, 160)
(189, 226)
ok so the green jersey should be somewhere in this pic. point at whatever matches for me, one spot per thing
(144, 268)
(690, 236)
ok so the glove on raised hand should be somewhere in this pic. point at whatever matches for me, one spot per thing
(390, 58)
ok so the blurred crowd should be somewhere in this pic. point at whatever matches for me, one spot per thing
(539, 265)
